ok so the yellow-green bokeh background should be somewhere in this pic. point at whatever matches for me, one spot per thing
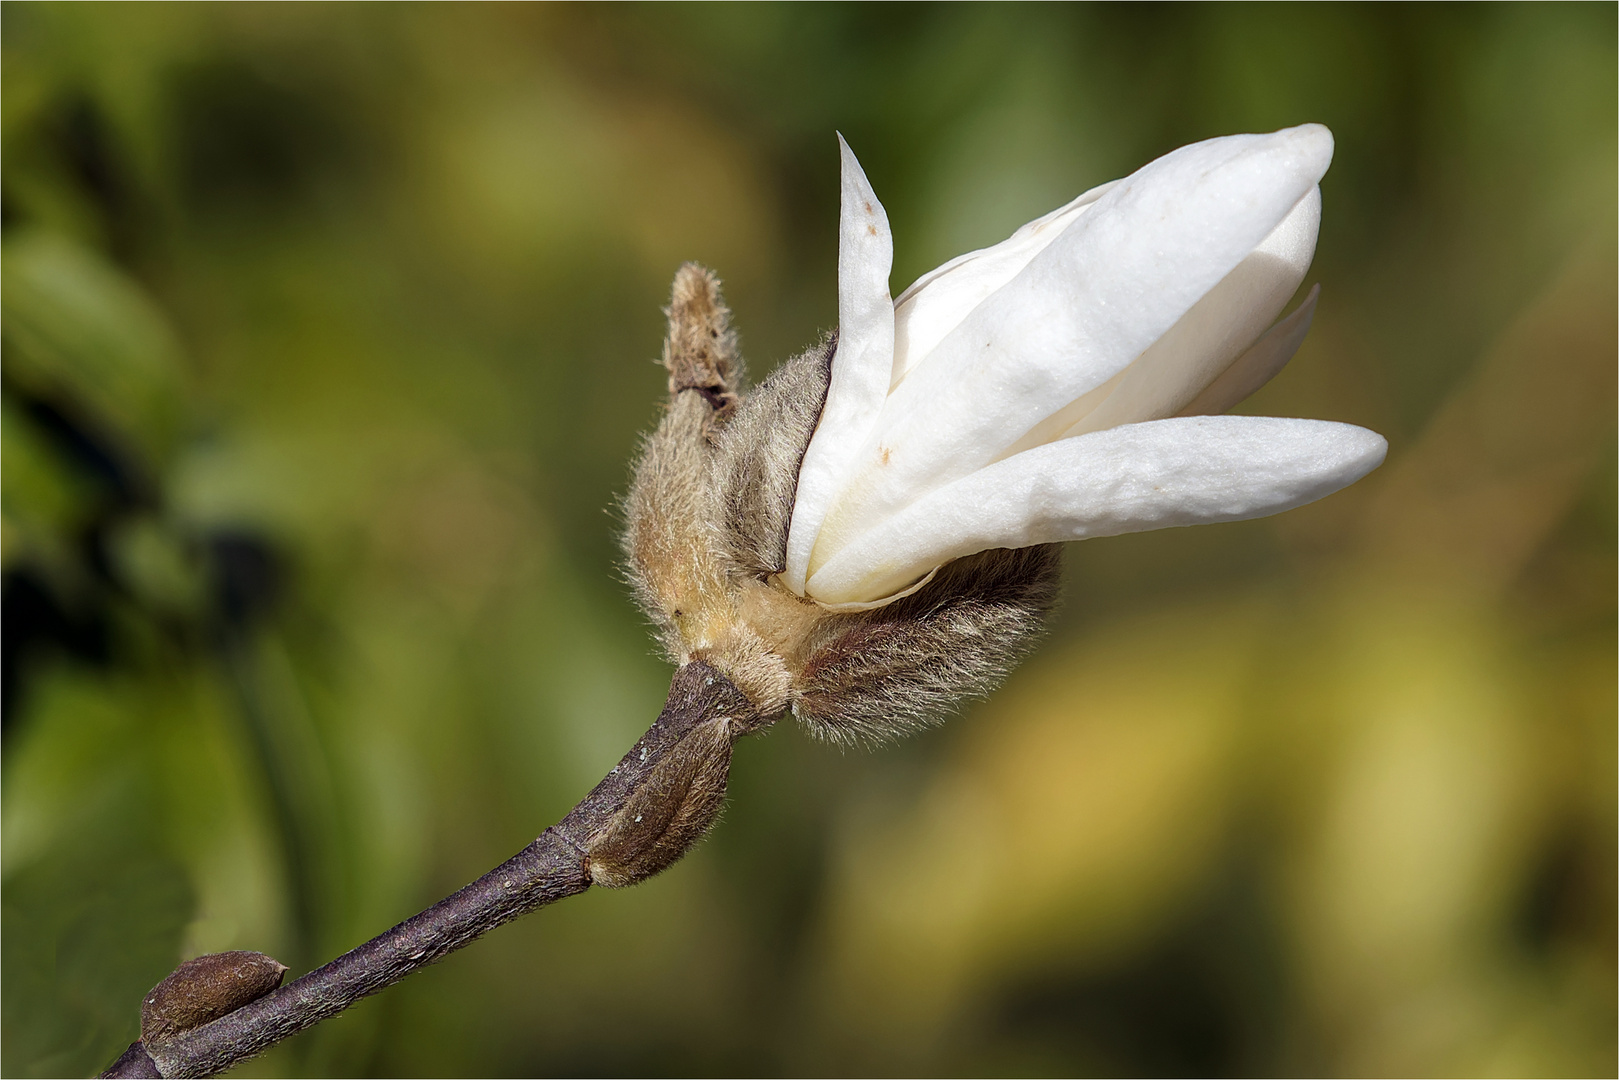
(327, 334)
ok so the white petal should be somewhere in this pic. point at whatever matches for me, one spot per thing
(1183, 471)
(1258, 365)
(939, 300)
(1218, 329)
(1112, 284)
(1207, 343)
(860, 367)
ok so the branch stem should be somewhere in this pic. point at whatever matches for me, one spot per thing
(558, 864)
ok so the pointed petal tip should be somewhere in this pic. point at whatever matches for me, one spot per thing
(846, 156)
(1313, 142)
(855, 182)
(1372, 448)
(1261, 363)
(1346, 453)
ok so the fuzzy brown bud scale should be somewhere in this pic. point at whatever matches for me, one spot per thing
(206, 988)
(707, 518)
(198, 992)
(660, 799)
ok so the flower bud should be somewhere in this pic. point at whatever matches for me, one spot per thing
(663, 795)
(666, 813)
(870, 535)
(206, 988)
(707, 518)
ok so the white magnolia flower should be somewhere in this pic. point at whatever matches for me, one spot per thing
(1059, 385)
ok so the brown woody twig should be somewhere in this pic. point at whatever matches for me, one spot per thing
(641, 818)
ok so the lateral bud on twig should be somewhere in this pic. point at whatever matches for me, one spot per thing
(668, 813)
(666, 792)
(197, 992)
(645, 814)
(205, 989)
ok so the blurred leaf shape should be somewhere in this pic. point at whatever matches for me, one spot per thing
(44, 503)
(80, 331)
(95, 904)
(88, 930)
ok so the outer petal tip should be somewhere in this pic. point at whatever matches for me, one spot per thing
(1344, 453)
(862, 223)
(1371, 448)
(854, 177)
(1313, 142)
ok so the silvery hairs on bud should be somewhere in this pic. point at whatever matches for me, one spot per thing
(707, 517)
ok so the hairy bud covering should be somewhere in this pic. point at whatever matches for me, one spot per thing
(707, 519)
(205, 989)
(662, 797)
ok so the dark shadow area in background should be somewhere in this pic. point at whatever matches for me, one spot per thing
(1208, 998)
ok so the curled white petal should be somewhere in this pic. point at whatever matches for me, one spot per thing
(939, 300)
(1182, 471)
(1259, 365)
(1206, 341)
(1083, 308)
(861, 366)
(1219, 328)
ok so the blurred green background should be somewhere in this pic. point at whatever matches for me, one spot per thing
(327, 334)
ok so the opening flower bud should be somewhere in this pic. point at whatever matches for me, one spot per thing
(866, 538)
